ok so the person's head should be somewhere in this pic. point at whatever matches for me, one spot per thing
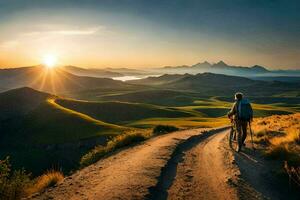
(238, 96)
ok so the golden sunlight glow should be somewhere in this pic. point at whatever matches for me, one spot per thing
(50, 61)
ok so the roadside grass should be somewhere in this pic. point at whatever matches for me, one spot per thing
(116, 142)
(17, 184)
(280, 137)
(48, 179)
(120, 141)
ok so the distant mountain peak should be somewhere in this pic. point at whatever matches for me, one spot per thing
(221, 62)
(203, 64)
(206, 63)
(259, 68)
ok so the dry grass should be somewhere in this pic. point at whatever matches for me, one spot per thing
(44, 181)
(279, 129)
(116, 142)
(17, 184)
(280, 137)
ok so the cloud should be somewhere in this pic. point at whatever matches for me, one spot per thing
(88, 31)
(69, 31)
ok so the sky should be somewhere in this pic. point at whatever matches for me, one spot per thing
(150, 33)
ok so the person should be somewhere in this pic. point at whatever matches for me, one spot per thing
(242, 113)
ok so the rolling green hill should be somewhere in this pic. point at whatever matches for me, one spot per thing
(41, 131)
(120, 112)
(155, 96)
(20, 101)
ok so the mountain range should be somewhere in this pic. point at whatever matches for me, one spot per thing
(62, 81)
(222, 68)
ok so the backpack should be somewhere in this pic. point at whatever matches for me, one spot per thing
(245, 111)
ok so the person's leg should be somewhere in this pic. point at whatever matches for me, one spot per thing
(244, 130)
(239, 134)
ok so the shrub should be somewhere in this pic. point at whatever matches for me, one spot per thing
(162, 129)
(49, 179)
(12, 183)
(4, 168)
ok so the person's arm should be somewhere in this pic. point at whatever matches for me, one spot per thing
(232, 110)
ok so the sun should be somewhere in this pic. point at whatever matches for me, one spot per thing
(50, 61)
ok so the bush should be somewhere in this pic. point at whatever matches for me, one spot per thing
(115, 143)
(162, 129)
(12, 184)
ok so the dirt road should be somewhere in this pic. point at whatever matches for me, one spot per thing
(191, 164)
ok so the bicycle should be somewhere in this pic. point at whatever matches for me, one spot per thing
(234, 138)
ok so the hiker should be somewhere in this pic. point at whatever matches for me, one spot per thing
(242, 114)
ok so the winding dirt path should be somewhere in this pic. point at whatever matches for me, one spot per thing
(127, 174)
(206, 172)
(192, 164)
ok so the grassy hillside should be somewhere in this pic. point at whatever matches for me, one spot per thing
(210, 112)
(50, 123)
(48, 133)
(120, 112)
(11, 106)
(155, 96)
(278, 137)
